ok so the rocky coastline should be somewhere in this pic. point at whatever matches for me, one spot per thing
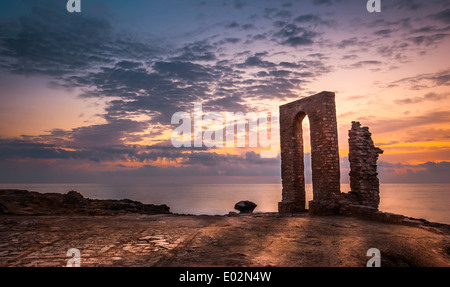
(24, 202)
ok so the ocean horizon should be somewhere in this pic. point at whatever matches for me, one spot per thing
(427, 201)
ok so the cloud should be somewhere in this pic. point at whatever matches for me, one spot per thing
(389, 125)
(248, 26)
(428, 172)
(22, 149)
(289, 65)
(280, 73)
(441, 78)
(257, 61)
(427, 97)
(363, 64)
(127, 65)
(39, 46)
(24, 160)
(165, 89)
(394, 50)
(184, 71)
(322, 2)
(350, 42)
(230, 40)
(236, 25)
(414, 33)
(428, 39)
(404, 5)
(238, 4)
(231, 103)
(423, 134)
(283, 14)
(350, 57)
(233, 24)
(311, 19)
(14, 149)
(196, 51)
(443, 16)
(193, 165)
(383, 32)
(424, 81)
(292, 35)
(110, 134)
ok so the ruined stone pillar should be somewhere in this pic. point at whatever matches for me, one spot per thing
(363, 156)
(321, 111)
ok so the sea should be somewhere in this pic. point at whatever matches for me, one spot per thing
(427, 201)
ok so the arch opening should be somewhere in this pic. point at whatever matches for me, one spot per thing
(303, 140)
(307, 161)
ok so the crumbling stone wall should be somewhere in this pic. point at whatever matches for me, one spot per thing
(363, 156)
(321, 111)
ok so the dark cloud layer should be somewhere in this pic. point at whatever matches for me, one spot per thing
(429, 172)
(51, 43)
(205, 164)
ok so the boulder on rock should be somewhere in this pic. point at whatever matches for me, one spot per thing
(73, 197)
(245, 206)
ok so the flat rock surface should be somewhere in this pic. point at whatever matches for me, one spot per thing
(251, 240)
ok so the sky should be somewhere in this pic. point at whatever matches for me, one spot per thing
(88, 97)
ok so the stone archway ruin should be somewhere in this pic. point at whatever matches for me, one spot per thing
(327, 197)
(321, 111)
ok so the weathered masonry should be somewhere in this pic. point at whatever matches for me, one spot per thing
(363, 156)
(327, 197)
(321, 111)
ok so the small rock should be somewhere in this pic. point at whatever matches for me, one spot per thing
(106, 248)
(73, 197)
(152, 237)
(245, 206)
(3, 209)
(127, 247)
(146, 238)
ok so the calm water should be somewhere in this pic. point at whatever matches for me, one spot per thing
(429, 201)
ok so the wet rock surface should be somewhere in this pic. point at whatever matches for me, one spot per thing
(23, 202)
(255, 240)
